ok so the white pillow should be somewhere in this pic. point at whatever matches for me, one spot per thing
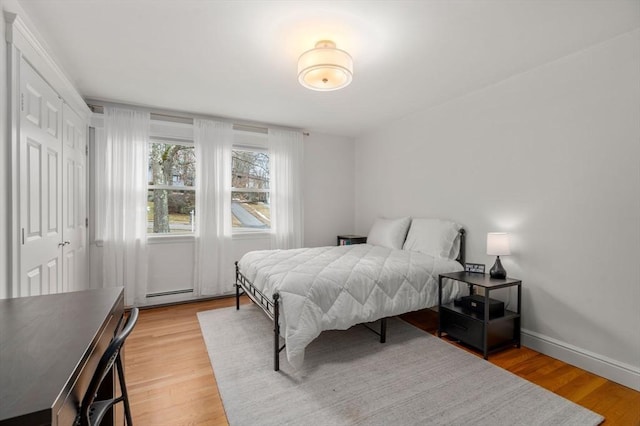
(389, 232)
(455, 248)
(435, 237)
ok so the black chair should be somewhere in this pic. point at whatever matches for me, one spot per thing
(92, 411)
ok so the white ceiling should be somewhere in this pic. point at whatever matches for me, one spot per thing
(237, 59)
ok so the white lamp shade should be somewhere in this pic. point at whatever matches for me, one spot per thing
(325, 68)
(498, 244)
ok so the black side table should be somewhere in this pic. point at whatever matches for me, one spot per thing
(346, 240)
(482, 331)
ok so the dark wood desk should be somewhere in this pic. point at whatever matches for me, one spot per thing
(49, 348)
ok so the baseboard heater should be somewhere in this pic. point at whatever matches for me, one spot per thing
(170, 293)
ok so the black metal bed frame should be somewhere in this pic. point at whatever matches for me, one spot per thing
(271, 307)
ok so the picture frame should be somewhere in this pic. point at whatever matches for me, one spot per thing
(474, 268)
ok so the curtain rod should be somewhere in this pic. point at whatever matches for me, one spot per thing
(184, 119)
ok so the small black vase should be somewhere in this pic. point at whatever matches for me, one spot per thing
(497, 271)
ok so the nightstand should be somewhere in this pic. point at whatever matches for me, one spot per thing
(485, 332)
(347, 240)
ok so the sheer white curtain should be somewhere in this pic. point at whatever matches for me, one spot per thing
(124, 154)
(286, 156)
(213, 273)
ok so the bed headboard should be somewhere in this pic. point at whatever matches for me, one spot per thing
(461, 254)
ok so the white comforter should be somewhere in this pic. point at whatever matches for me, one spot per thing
(327, 288)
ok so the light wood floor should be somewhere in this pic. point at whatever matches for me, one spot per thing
(170, 380)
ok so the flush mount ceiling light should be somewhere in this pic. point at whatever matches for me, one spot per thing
(325, 68)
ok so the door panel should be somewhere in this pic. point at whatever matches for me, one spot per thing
(70, 212)
(33, 191)
(74, 198)
(70, 271)
(53, 119)
(40, 180)
(32, 107)
(53, 192)
(34, 280)
(52, 275)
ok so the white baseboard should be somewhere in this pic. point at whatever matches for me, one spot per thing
(616, 371)
(160, 299)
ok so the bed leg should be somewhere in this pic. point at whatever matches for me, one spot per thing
(276, 333)
(383, 330)
(237, 297)
(237, 289)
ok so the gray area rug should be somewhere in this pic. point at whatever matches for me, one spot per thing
(349, 378)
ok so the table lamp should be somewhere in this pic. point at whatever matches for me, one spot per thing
(498, 245)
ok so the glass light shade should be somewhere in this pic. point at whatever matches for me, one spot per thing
(325, 68)
(498, 244)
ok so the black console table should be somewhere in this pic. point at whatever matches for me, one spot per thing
(49, 348)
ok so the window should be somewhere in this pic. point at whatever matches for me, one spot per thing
(250, 207)
(171, 199)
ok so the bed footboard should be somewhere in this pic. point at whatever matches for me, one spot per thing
(271, 307)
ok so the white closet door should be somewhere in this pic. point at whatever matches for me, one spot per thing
(74, 205)
(40, 185)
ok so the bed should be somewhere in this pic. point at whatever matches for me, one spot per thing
(309, 290)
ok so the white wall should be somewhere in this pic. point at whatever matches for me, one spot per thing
(552, 156)
(329, 180)
(5, 166)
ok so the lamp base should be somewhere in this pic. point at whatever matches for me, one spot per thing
(497, 271)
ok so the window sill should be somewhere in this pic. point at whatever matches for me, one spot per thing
(170, 239)
(173, 239)
(159, 239)
(251, 235)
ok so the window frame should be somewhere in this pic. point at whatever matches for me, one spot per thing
(151, 236)
(251, 232)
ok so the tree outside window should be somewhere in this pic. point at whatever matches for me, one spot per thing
(171, 199)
